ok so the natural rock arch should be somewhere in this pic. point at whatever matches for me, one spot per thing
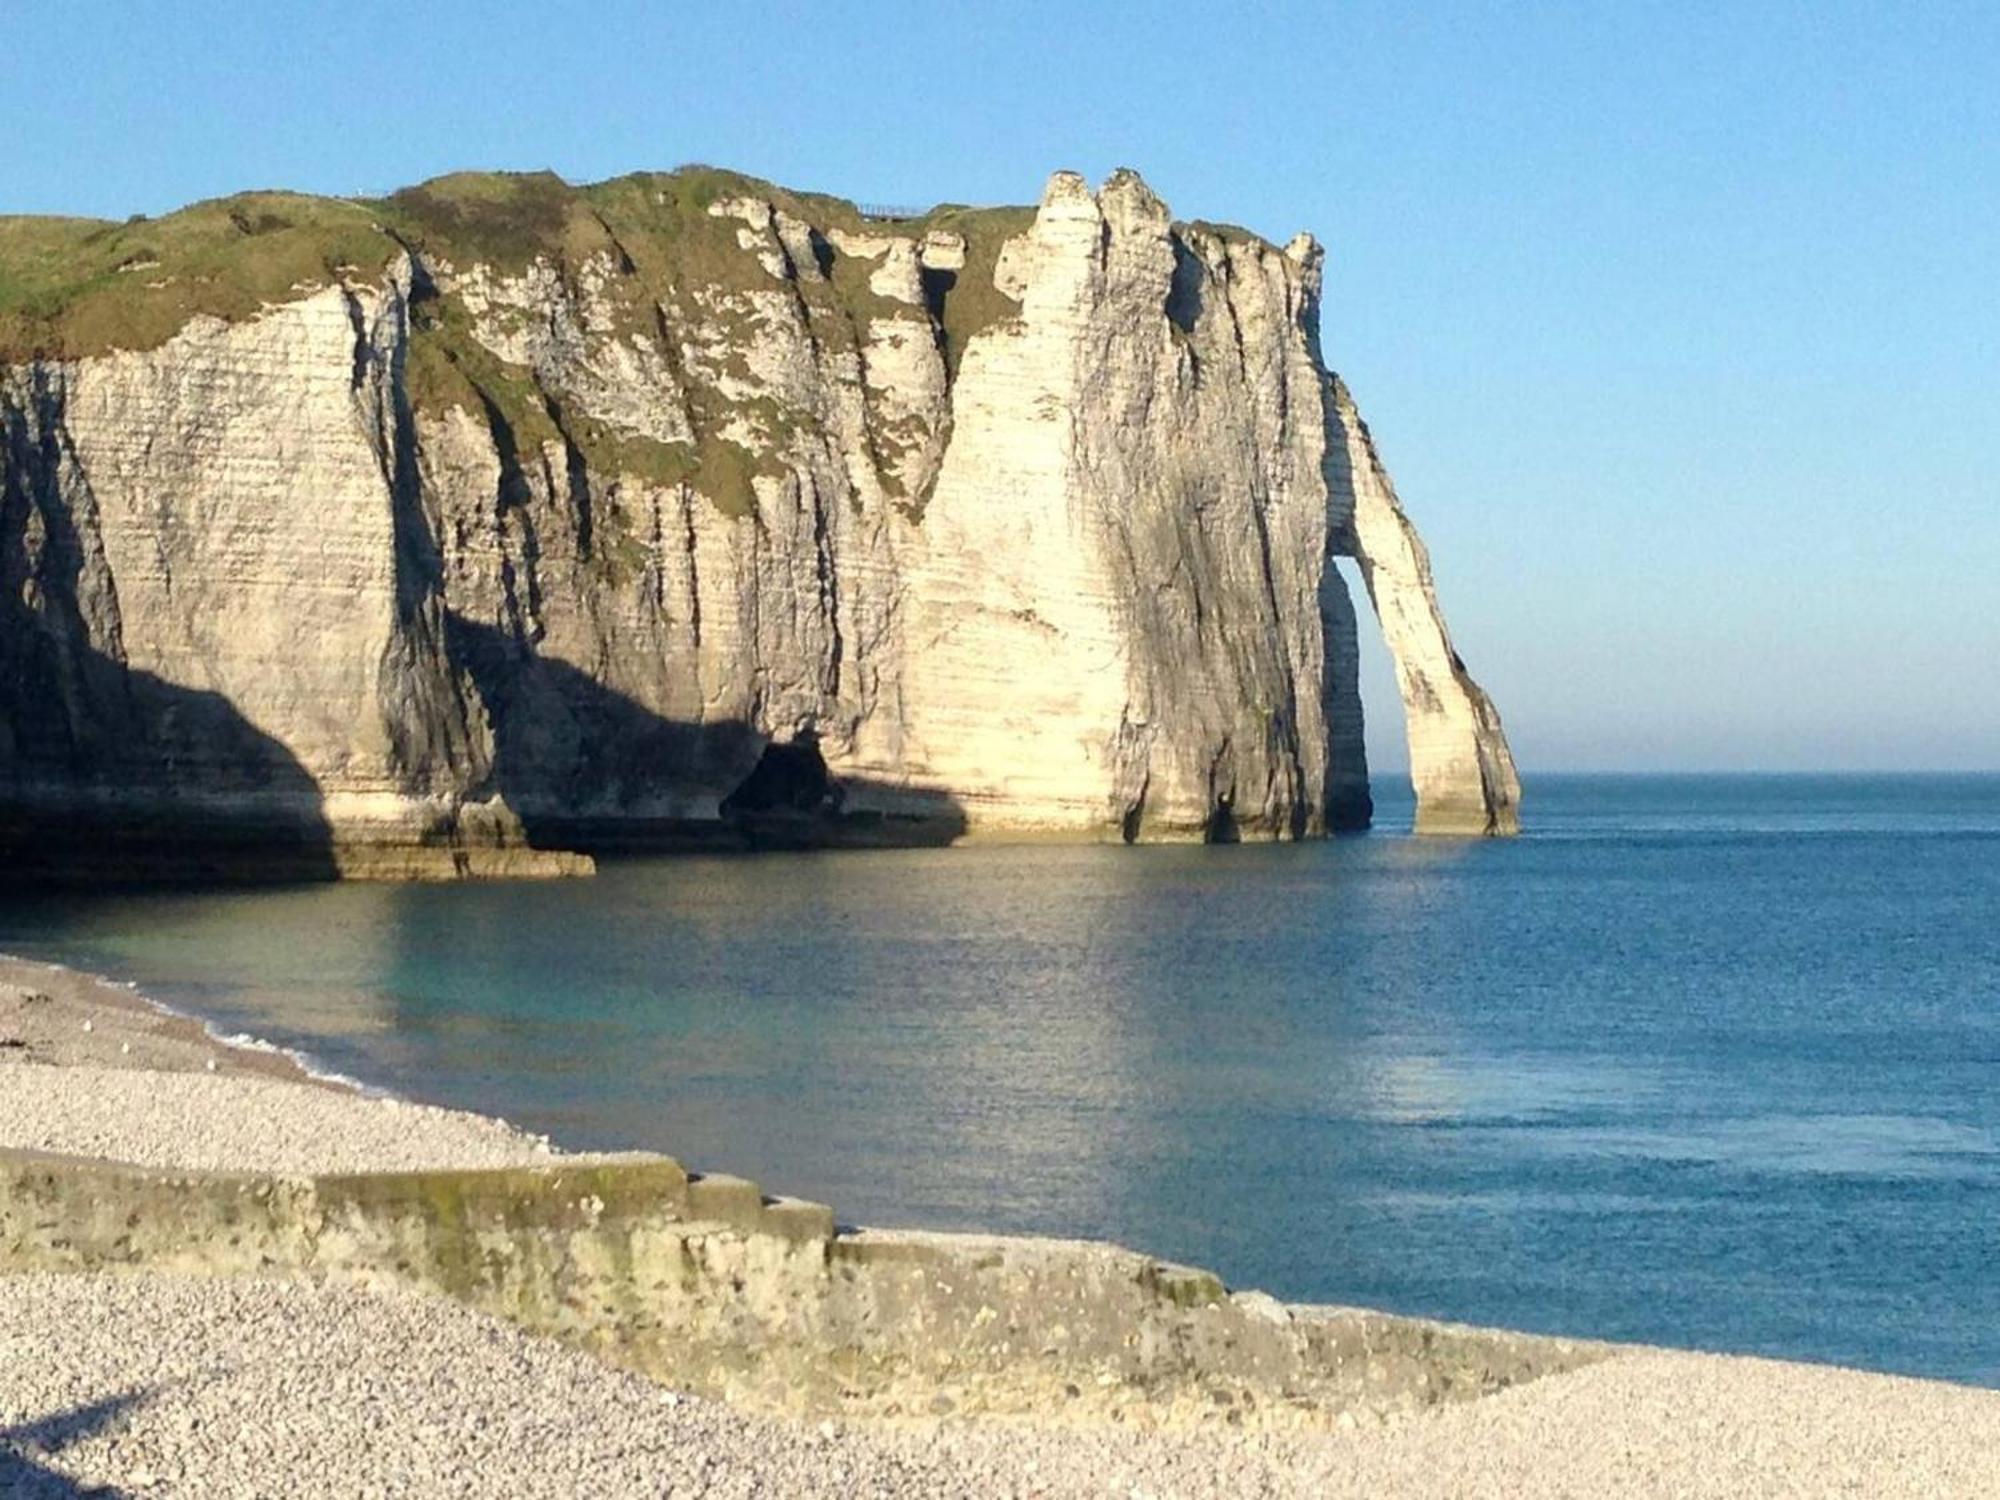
(1459, 761)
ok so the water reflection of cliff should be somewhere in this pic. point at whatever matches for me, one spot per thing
(1075, 1040)
(1080, 1040)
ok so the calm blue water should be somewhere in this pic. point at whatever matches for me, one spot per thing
(1702, 1061)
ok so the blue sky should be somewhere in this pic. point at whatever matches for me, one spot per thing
(1678, 324)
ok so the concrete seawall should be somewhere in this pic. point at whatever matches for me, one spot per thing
(705, 1283)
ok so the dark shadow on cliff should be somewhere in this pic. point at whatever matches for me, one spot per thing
(1186, 291)
(22, 1476)
(586, 767)
(108, 773)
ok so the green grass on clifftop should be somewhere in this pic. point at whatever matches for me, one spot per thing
(670, 275)
(71, 288)
(78, 287)
(82, 286)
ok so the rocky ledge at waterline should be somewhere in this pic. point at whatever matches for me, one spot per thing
(418, 534)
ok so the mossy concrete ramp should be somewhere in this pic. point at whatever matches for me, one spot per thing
(709, 1285)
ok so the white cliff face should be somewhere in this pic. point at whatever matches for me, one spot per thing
(202, 561)
(1459, 760)
(1114, 618)
(472, 551)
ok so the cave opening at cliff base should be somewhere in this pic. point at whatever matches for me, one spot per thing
(788, 794)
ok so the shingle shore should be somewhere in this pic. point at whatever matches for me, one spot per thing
(164, 1385)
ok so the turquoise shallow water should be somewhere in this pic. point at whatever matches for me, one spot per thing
(1701, 1061)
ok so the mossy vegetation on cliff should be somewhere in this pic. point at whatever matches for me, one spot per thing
(77, 287)
(972, 303)
(72, 288)
(447, 366)
(1229, 234)
(684, 279)
(669, 273)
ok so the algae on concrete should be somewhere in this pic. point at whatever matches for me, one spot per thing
(707, 1284)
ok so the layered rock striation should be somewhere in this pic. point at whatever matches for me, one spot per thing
(501, 515)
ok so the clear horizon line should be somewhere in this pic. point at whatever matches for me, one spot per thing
(1855, 771)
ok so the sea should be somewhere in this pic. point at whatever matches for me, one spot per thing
(1703, 1061)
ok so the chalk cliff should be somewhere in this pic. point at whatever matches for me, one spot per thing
(499, 515)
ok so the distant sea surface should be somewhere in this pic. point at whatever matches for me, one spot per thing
(1702, 1061)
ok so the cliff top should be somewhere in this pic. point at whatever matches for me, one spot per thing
(73, 287)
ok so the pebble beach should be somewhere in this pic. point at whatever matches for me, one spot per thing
(154, 1384)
